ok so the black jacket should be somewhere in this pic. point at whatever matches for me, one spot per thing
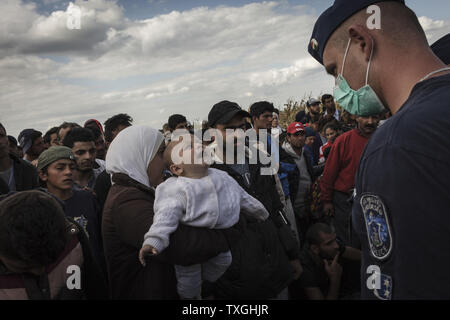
(260, 268)
(25, 176)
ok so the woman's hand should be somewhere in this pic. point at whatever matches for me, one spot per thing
(145, 251)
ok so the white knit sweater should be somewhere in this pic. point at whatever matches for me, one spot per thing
(214, 202)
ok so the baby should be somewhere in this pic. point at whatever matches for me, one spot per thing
(198, 196)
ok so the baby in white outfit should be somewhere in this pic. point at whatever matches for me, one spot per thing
(200, 197)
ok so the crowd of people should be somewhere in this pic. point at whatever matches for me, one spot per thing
(158, 228)
(107, 211)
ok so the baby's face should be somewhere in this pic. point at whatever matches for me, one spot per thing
(186, 154)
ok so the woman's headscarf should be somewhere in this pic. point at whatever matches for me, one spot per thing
(132, 151)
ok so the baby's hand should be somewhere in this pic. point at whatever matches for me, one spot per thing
(145, 251)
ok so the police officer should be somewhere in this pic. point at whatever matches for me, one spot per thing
(441, 48)
(380, 58)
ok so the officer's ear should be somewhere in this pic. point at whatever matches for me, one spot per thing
(362, 38)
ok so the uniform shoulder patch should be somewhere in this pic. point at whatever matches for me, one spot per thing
(386, 286)
(377, 224)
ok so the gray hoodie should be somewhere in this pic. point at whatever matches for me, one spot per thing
(305, 179)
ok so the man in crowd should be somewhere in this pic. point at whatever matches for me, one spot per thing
(314, 115)
(331, 113)
(56, 168)
(100, 146)
(15, 173)
(338, 179)
(14, 147)
(177, 121)
(32, 144)
(116, 124)
(43, 254)
(251, 275)
(97, 130)
(88, 168)
(294, 146)
(324, 259)
(51, 138)
(262, 116)
(64, 128)
(401, 185)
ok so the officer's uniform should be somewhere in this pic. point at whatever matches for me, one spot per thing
(441, 48)
(401, 209)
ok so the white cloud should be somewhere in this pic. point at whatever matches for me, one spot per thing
(434, 29)
(24, 31)
(277, 77)
(181, 62)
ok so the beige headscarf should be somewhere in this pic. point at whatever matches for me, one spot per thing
(132, 151)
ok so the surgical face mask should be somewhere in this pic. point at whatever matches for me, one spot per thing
(363, 102)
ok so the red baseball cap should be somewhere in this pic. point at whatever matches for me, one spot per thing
(295, 127)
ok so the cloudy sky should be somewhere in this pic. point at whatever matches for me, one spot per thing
(153, 58)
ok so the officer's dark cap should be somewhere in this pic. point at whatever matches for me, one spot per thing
(331, 19)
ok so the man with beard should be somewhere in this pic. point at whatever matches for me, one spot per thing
(32, 144)
(88, 168)
(324, 259)
(251, 275)
(338, 179)
(314, 115)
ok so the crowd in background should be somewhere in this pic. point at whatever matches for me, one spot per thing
(300, 245)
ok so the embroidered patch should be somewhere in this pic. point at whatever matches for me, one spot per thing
(385, 291)
(377, 225)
